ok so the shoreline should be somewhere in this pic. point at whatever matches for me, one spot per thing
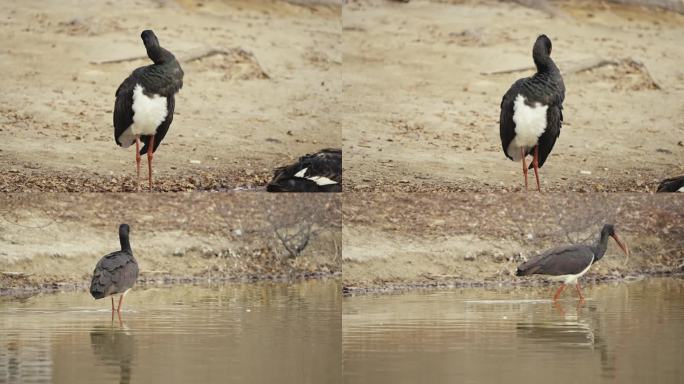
(169, 280)
(400, 288)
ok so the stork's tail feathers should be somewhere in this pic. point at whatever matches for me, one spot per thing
(97, 290)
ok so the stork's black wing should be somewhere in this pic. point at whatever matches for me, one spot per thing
(547, 140)
(326, 163)
(123, 107)
(506, 123)
(163, 127)
(571, 259)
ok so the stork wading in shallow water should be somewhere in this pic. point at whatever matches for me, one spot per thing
(567, 264)
(318, 172)
(532, 112)
(116, 272)
(143, 110)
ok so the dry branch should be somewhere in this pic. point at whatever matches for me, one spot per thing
(189, 57)
(583, 66)
(16, 274)
(543, 6)
(293, 244)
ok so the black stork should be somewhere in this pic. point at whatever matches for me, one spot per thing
(145, 102)
(567, 264)
(115, 272)
(532, 112)
(673, 184)
(318, 172)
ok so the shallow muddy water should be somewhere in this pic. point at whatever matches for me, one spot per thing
(249, 333)
(623, 333)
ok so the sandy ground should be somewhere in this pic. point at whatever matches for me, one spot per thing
(422, 100)
(237, 117)
(55, 240)
(400, 240)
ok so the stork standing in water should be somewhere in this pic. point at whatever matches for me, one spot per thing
(145, 102)
(318, 172)
(116, 272)
(567, 264)
(532, 112)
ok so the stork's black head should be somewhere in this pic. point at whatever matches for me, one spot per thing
(542, 46)
(541, 53)
(154, 51)
(124, 229)
(608, 229)
(149, 39)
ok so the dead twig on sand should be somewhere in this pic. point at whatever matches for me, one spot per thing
(583, 66)
(194, 56)
(190, 57)
(16, 274)
(543, 6)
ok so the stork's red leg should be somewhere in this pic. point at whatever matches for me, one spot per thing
(112, 304)
(535, 164)
(137, 159)
(120, 302)
(579, 291)
(118, 314)
(558, 292)
(150, 155)
(559, 308)
(522, 155)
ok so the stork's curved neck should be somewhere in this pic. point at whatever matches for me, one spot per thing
(601, 246)
(542, 60)
(544, 63)
(159, 55)
(125, 243)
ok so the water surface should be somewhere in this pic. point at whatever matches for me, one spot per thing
(623, 333)
(247, 333)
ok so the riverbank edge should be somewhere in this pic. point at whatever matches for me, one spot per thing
(404, 287)
(168, 280)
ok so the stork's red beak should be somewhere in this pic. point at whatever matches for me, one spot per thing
(622, 245)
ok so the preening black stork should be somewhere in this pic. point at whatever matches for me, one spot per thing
(673, 184)
(532, 111)
(115, 272)
(145, 102)
(569, 263)
(318, 172)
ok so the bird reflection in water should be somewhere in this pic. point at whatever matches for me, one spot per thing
(559, 307)
(567, 331)
(575, 329)
(114, 345)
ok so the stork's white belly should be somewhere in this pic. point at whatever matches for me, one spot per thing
(571, 279)
(148, 114)
(530, 123)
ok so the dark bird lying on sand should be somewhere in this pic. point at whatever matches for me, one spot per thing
(567, 264)
(145, 102)
(673, 184)
(116, 272)
(318, 172)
